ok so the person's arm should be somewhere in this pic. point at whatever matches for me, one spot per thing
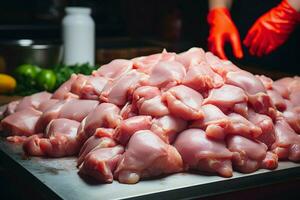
(273, 28)
(222, 29)
(219, 4)
(295, 4)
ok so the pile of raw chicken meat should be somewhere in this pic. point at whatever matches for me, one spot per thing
(162, 114)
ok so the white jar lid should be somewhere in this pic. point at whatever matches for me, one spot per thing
(78, 10)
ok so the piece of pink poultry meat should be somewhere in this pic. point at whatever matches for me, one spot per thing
(217, 125)
(167, 127)
(105, 132)
(45, 105)
(78, 84)
(219, 66)
(101, 163)
(290, 106)
(154, 107)
(245, 80)
(287, 82)
(241, 126)
(105, 116)
(292, 117)
(255, 90)
(266, 124)
(128, 111)
(281, 89)
(202, 78)
(226, 97)
(241, 108)
(9, 108)
(191, 57)
(52, 112)
(74, 109)
(147, 156)
(295, 96)
(22, 123)
(59, 140)
(145, 64)
(94, 87)
(144, 93)
(88, 87)
(147, 100)
(63, 92)
(119, 90)
(215, 122)
(287, 144)
(115, 69)
(3, 110)
(266, 81)
(184, 102)
(166, 74)
(289, 88)
(131, 125)
(33, 101)
(203, 154)
(250, 155)
(94, 142)
(277, 100)
(77, 109)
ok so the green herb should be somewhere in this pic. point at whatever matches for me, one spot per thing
(28, 82)
(64, 72)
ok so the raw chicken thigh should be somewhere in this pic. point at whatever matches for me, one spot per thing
(202, 78)
(161, 114)
(101, 163)
(166, 74)
(147, 156)
(92, 143)
(59, 140)
(33, 101)
(226, 97)
(254, 89)
(201, 153)
(184, 102)
(105, 115)
(63, 92)
(114, 69)
(131, 125)
(250, 155)
(267, 127)
(167, 127)
(287, 144)
(22, 122)
(191, 57)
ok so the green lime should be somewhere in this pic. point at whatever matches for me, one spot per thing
(46, 79)
(26, 74)
(27, 70)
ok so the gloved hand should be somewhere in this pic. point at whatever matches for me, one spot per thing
(272, 29)
(223, 30)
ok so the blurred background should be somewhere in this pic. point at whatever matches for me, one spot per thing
(130, 28)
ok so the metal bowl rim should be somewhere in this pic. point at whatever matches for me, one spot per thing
(35, 44)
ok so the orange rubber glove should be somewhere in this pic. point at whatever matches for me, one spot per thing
(222, 30)
(272, 29)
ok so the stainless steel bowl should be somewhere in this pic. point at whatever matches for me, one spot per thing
(25, 51)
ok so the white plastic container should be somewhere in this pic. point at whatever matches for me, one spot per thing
(78, 36)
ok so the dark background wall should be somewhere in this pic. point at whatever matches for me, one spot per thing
(173, 21)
